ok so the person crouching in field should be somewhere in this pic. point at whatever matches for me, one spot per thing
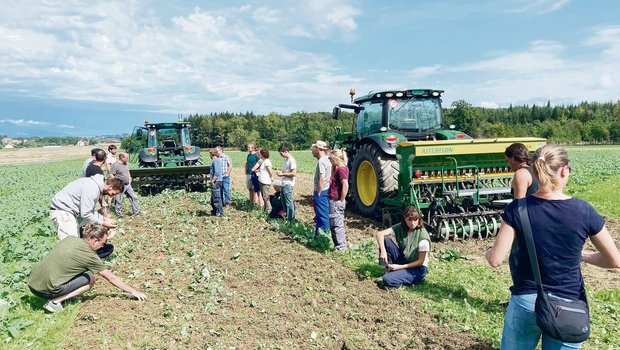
(338, 188)
(79, 199)
(62, 273)
(407, 259)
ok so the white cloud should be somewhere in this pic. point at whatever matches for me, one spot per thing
(66, 126)
(424, 71)
(23, 122)
(487, 104)
(538, 7)
(544, 71)
(267, 15)
(201, 60)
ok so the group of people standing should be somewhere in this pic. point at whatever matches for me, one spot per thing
(275, 196)
(560, 225)
(69, 269)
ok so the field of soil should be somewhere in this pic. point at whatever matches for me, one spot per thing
(236, 283)
(44, 154)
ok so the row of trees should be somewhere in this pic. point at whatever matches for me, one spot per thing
(297, 130)
(593, 122)
(584, 123)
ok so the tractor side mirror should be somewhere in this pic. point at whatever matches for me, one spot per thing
(336, 112)
(139, 133)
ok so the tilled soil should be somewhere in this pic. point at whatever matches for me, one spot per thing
(235, 283)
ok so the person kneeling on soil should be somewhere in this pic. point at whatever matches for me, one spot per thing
(277, 210)
(407, 259)
(62, 273)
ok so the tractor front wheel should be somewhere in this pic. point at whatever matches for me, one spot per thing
(374, 177)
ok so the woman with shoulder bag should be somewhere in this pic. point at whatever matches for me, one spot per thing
(560, 226)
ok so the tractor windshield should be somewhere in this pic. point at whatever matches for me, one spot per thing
(415, 114)
(169, 138)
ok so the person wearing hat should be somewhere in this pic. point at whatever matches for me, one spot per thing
(322, 177)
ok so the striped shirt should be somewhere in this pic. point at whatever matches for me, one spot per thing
(226, 163)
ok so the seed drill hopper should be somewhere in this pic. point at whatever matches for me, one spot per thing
(400, 154)
(461, 186)
(166, 159)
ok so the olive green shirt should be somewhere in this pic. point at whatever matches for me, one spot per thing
(409, 241)
(69, 258)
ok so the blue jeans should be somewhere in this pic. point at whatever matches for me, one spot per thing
(216, 199)
(321, 210)
(288, 204)
(405, 277)
(226, 190)
(521, 330)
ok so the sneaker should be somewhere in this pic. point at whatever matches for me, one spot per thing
(52, 306)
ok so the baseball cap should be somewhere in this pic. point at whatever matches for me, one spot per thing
(320, 145)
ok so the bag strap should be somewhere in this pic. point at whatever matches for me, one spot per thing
(529, 240)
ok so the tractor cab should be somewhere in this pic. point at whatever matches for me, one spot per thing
(164, 145)
(408, 115)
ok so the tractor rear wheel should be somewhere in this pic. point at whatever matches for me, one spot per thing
(374, 177)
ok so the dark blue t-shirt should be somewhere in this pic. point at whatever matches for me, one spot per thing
(560, 229)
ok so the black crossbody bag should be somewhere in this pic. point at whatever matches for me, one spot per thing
(566, 320)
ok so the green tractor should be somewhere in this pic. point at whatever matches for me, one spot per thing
(401, 154)
(166, 158)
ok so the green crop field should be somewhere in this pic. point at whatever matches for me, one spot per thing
(188, 288)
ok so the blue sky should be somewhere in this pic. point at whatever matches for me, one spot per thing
(101, 67)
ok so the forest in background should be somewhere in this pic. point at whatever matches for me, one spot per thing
(585, 123)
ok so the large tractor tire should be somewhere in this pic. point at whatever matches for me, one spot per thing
(374, 177)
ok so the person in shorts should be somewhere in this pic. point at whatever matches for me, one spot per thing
(69, 269)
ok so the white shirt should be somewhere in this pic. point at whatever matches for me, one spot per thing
(263, 174)
(110, 159)
(289, 165)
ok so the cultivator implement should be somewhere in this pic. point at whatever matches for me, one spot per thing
(154, 180)
(460, 186)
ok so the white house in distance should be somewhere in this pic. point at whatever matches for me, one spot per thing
(82, 143)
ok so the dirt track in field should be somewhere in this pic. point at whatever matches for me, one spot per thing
(235, 283)
(260, 289)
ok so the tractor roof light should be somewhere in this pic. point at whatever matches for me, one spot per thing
(435, 93)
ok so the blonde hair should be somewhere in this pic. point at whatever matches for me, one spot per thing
(340, 155)
(545, 164)
(94, 231)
